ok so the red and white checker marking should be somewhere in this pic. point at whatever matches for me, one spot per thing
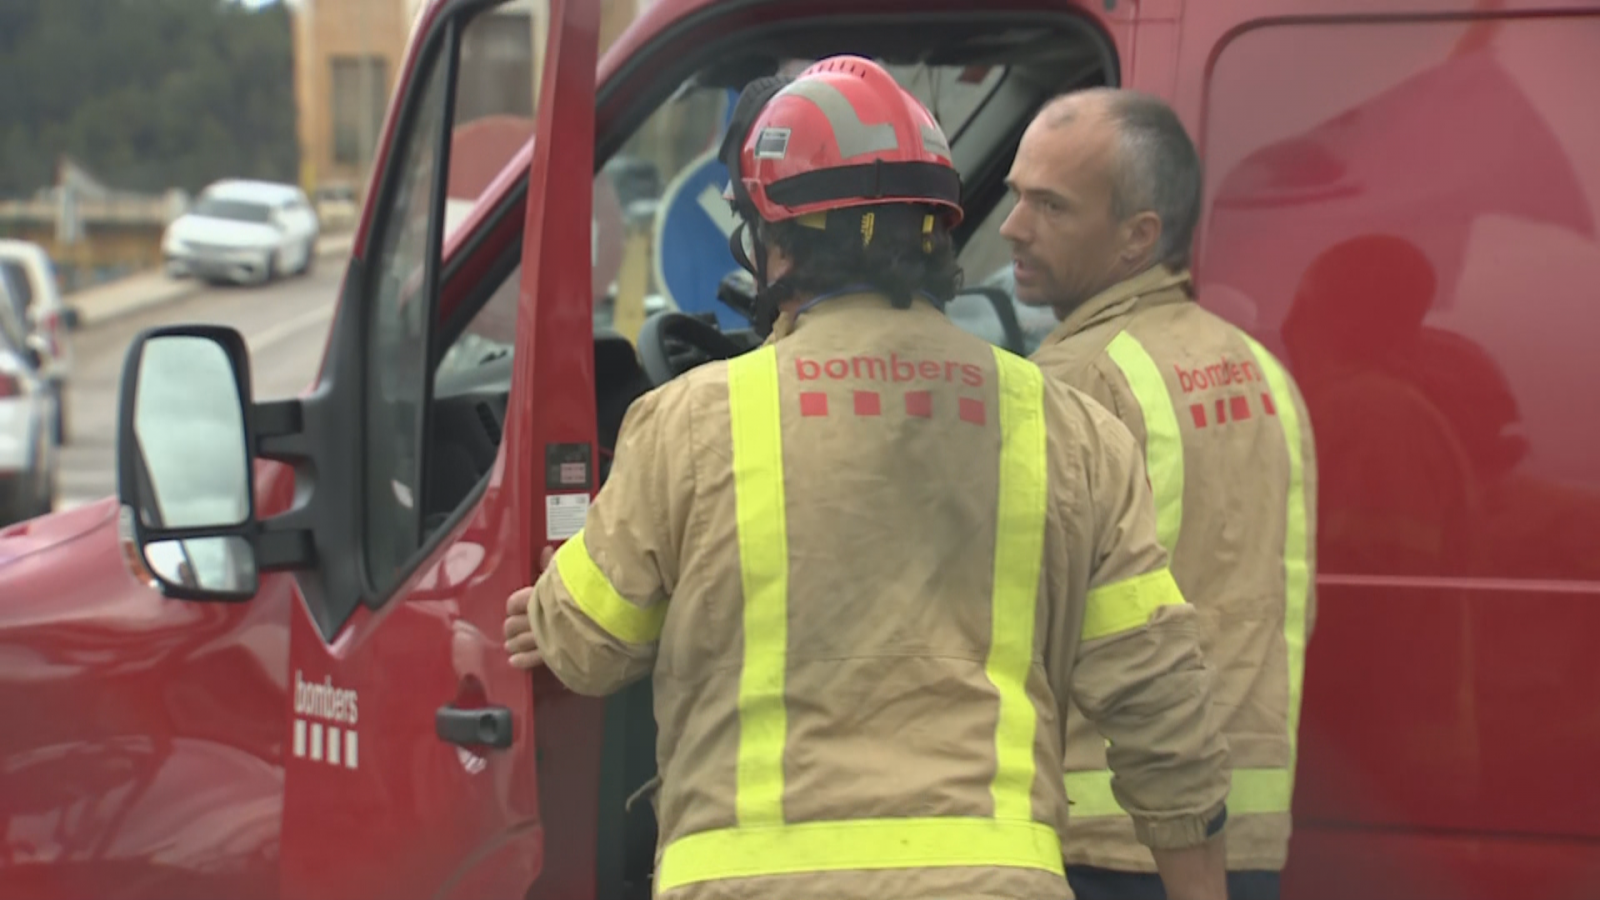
(331, 744)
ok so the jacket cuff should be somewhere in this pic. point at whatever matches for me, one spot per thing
(1177, 833)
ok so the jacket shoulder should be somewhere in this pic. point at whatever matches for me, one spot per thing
(1186, 330)
(1076, 418)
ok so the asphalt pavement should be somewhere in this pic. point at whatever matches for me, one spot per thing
(285, 324)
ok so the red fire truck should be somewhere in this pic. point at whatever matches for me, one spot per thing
(274, 668)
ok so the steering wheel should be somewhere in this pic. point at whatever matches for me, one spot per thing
(671, 343)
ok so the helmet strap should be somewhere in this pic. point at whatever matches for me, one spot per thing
(769, 296)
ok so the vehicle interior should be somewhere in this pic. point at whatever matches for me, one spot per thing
(983, 77)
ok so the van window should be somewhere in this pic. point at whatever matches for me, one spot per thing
(651, 187)
(421, 461)
(1409, 215)
(235, 210)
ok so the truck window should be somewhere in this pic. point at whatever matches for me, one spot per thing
(664, 245)
(412, 479)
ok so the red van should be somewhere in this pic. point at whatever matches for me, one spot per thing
(303, 695)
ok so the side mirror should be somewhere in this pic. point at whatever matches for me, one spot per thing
(184, 463)
(70, 318)
(988, 313)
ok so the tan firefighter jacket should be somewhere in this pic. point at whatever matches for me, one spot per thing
(1232, 466)
(862, 563)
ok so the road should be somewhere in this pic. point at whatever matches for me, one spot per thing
(285, 324)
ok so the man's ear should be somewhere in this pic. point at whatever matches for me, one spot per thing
(1141, 234)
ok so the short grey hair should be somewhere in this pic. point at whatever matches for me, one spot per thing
(1157, 167)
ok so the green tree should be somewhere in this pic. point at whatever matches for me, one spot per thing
(147, 94)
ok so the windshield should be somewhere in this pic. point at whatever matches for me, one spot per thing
(237, 210)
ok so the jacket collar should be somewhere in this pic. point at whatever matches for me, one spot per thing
(1155, 286)
(841, 304)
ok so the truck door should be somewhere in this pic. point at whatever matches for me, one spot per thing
(409, 743)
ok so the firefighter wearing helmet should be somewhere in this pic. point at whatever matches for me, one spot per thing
(868, 563)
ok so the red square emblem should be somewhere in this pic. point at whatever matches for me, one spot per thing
(813, 403)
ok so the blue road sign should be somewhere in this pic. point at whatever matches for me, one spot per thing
(693, 224)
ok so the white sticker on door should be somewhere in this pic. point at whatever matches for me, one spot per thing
(564, 515)
(325, 718)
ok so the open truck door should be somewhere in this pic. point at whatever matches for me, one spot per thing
(440, 774)
(419, 493)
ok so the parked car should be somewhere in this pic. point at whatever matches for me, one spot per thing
(247, 232)
(28, 410)
(44, 318)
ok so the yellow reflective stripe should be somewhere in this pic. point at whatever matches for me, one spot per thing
(1128, 604)
(1253, 791)
(600, 601)
(753, 406)
(1018, 557)
(1163, 448)
(859, 844)
(1296, 566)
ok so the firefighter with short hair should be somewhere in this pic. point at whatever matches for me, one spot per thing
(867, 563)
(1108, 188)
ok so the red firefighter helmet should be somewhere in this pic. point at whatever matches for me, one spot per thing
(844, 134)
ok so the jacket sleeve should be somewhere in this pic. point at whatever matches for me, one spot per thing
(1139, 674)
(597, 611)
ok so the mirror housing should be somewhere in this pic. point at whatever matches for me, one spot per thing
(186, 452)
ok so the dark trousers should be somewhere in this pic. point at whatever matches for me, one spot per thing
(1090, 883)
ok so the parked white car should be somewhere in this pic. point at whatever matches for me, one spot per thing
(41, 317)
(28, 455)
(248, 232)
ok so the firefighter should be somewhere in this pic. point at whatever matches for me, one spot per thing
(1108, 189)
(866, 562)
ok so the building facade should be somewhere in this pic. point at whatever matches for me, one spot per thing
(348, 55)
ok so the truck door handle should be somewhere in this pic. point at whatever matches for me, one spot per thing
(487, 726)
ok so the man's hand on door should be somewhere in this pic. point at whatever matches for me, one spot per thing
(520, 645)
(519, 631)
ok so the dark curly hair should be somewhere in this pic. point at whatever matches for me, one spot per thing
(883, 246)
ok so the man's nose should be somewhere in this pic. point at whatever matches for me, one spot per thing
(1014, 227)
